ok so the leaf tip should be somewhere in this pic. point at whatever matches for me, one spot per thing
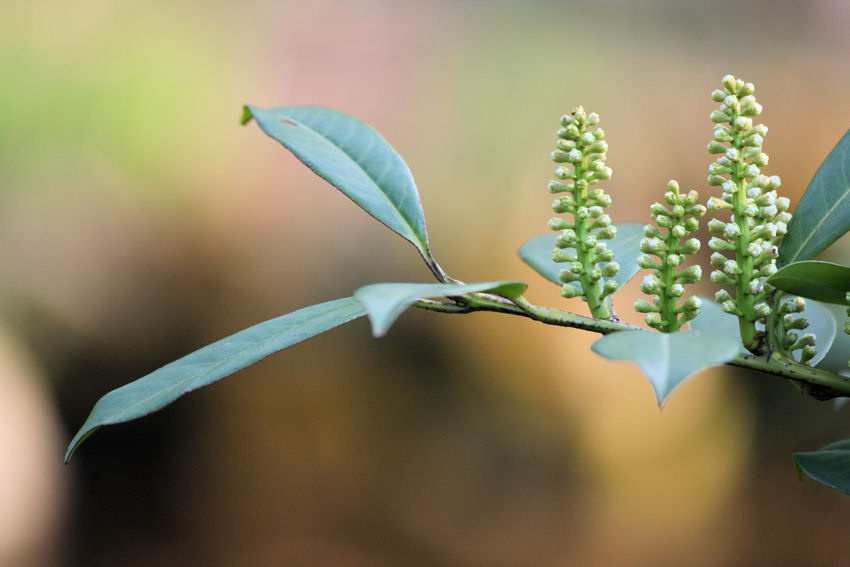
(78, 439)
(247, 115)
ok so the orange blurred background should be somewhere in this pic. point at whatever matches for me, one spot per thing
(139, 222)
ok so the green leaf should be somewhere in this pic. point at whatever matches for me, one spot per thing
(212, 363)
(835, 359)
(822, 325)
(823, 281)
(712, 319)
(537, 253)
(829, 465)
(668, 359)
(350, 155)
(384, 302)
(823, 214)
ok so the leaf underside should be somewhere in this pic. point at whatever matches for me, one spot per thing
(384, 302)
(668, 359)
(829, 465)
(537, 253)
(214, 362)
(712, 319)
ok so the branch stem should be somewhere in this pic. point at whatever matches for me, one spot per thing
(818, 383)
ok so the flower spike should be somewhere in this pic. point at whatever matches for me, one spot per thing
(678, 220)
(746, 250)
(582, 151)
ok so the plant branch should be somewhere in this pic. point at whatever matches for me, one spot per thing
(818, 383)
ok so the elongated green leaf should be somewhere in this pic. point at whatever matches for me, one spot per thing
(212, 363)
(829, 465)
(384, 302)
(712, 319)
(537, 253)
(823, 281)
(668, 359)
(823, 215)
(350, 155)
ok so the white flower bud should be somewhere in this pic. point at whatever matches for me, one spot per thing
(569, 291)
(716, 225)
(690, 246)
(731, 268)
(690, 275)
(731, 231)
(650, 285)
(717, 260)
(743, 123)
(647, 263)
(610, 269)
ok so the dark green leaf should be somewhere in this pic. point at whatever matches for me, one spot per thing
(668, 359)
(354, 158)
(829, 465)
(823, 215)
(537, 253)
(214, 362)
(823, 281)
(384, 302)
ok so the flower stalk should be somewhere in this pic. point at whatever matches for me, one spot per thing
(759, 217)
(582, 151)
(679, 219)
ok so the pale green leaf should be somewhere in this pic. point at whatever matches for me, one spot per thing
(350, 155)
(829, 465)
(823, 214)
(712, 319)
(668, 359)
(537, 253)
(212, 363)
(823, 281)
(384, 302)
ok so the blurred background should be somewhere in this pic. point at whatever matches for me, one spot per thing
(139, 222)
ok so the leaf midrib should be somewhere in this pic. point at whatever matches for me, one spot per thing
(352, 159)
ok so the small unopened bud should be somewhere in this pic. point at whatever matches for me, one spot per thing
(644, 306)
(610, 269)
(569, 291)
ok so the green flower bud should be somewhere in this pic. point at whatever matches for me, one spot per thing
(718, 260)
(643, 306)
(647, 263)
(690, 246)
(569, 291)
(611, 269)
(692, 304)
(654, 320)
(691, 223)
(563, 255)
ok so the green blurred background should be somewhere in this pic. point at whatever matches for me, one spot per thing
(139, 221)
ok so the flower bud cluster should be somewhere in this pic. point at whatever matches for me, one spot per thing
(787, 340)
(582, 151)
(746, 247)
(668, 242)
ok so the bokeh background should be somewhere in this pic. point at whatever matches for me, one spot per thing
(139, 221)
